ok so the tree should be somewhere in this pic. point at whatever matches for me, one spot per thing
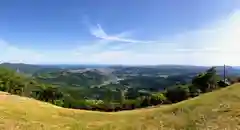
(158, 98)
(207, 81)
(146, 101)
(108, 97)
(178, 93)
(122, 95)
(194, 91)
(2, 86)
(49, 94)
(12, 82)
(212, 78)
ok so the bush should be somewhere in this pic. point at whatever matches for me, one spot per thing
(131, 104)
(194, 91)
(222, 84)
(58, 103)
(178, 93)
(158, 98)
(3, 88)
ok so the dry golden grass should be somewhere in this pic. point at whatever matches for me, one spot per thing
(219, 110)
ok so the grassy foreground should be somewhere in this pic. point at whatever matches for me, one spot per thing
(217, 111)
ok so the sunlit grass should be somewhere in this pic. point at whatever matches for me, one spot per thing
(217, 110)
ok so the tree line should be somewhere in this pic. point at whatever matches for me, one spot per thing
(19, 84)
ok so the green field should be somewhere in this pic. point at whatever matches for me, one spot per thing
(216, 110)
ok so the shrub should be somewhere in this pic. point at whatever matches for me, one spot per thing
(158, 98)
(178, 93)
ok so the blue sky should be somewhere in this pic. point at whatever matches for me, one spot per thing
(194, 32)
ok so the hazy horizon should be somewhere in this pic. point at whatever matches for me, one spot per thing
(148, 32)
(102, 64)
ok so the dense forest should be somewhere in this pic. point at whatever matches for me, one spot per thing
(111, 88)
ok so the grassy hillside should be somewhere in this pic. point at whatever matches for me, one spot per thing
(217, 110)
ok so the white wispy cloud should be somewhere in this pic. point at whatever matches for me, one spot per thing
(216, 44)
(98, 32)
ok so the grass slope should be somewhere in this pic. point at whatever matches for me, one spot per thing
(217, 110)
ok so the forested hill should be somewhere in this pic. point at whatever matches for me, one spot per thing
(112, 89)
(73, 78)
(26, 68)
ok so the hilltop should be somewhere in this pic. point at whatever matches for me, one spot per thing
(214, 110)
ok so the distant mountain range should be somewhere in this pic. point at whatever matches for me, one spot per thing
(138, 78)
(30, 68)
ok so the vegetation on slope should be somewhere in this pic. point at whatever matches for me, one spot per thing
(74, 79)
(215, 110)
(111, 97)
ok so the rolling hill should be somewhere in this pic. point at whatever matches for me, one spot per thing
(216, 111)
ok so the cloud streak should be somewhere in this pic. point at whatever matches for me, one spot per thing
(215, 44)
(212, 45)
(98, 32)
